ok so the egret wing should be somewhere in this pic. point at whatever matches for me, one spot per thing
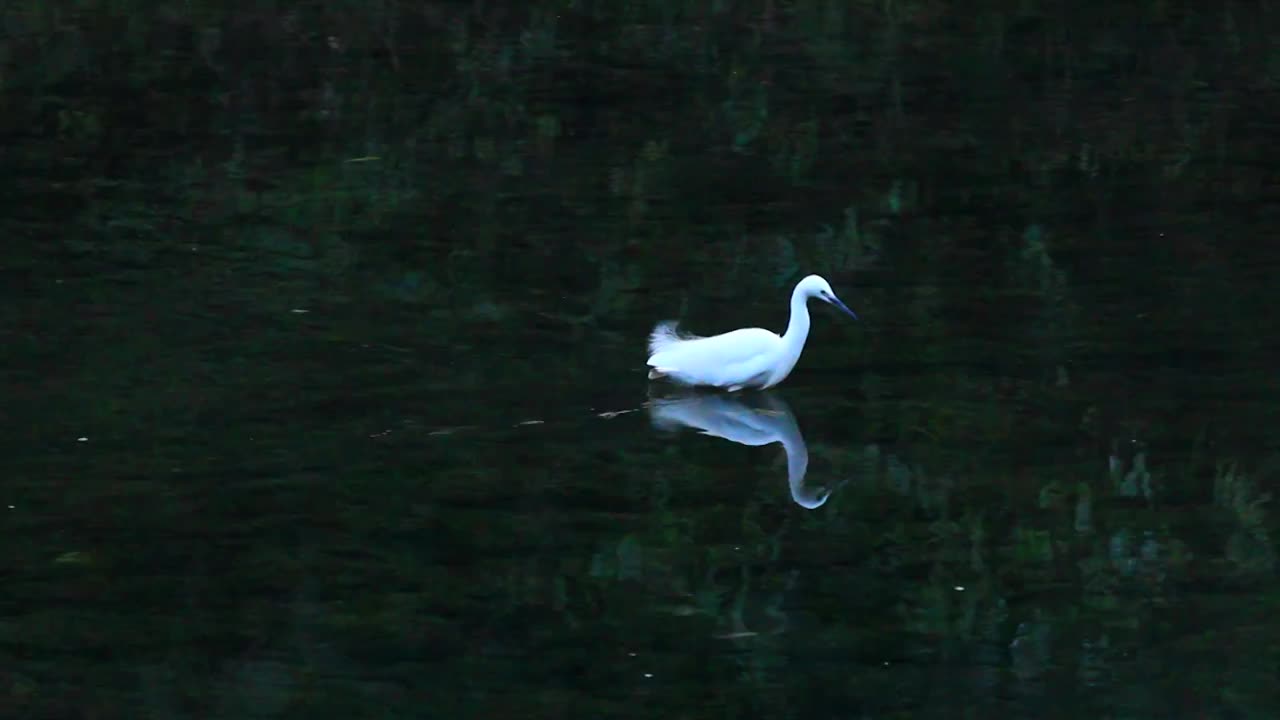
(734, 358)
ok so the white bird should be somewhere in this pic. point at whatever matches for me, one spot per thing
(750, 357)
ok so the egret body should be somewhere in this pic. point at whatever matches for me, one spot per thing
(750, 357)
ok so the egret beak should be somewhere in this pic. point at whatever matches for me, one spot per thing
(836, 301)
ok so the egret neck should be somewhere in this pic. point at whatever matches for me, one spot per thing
(797, 329)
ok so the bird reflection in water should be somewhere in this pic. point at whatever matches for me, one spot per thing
(736, 421)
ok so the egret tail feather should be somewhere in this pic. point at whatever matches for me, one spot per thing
(665, 335)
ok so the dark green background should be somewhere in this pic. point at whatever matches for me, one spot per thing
(284, 281)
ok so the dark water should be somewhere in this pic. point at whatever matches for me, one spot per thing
(325, 342)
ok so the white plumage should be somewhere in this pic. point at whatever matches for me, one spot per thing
(750, 357)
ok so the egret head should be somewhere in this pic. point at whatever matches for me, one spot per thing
(816, 287)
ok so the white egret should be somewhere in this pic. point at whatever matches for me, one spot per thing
(750, 357)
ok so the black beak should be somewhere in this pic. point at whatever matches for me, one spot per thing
(836, 301)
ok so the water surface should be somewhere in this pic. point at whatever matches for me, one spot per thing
(326, 346)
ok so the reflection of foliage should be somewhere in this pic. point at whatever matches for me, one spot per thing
(1250, 547)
